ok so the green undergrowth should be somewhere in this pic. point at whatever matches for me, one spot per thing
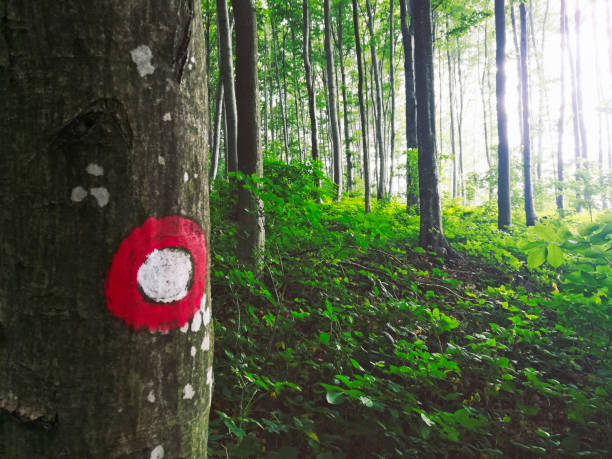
(352, 341)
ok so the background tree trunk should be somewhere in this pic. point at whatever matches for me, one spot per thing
(251, 236)
(530, 215)
(362, 110)
(392, 94)
(561, 122)
(504, 207)
(333, 115)
(87, 159)
(309, 82)
(214, 157)
(226, 74)
(347, 136)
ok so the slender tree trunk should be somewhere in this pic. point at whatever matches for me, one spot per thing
(280, 91)
(411, 128)
(94, 182)
(267, 101)
(392, 95)
(333, 115)
(309, 82)
(226, 72)
(347, 137)
(530, 215)
(579, 98)
(451, 104)
(517, 50)
(362, 111)
(460, 124)
(378, 112)
(251, 235)
(504, 207)
(214, 160)
(609, 29)
(561, 122)
(430, 232)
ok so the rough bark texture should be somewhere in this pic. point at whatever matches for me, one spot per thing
(104, 124)
(430, 234)
(362, 110)
(314, 144)
(251, 236)
(226, 72)
(412, 197)
(332, 107)
(530, 215)
(504, 207)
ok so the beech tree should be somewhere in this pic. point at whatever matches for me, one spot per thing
(105, 228)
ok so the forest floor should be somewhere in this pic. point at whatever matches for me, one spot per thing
(352, 341)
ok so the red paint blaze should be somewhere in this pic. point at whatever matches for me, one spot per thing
(123, 297)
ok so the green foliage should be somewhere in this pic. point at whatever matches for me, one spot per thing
(354, 342)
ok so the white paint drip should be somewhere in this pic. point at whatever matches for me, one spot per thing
(161, 160)
(185, 327)
(142, 56)
(193, 351)
(165, 274)
(94, 169)
(203, 303)
(205, 343)
(78, 194)
(188, 392)
(196, 323)
(185, 177)
(158, 452)
(206, 317)
(101, 194)
(167, 117)
(209, 376)
(151, 397)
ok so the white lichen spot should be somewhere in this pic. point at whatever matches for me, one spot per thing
(188, 392)
(185, 327)
(192, 60)
(190, 66)
(185, 177)
(151, 397)
(206, 317)
(101, 194)
(209, 376)
(94, 169)
(78, 194)
(165, 274)
(142, 56)
(167, 117)
(195, 176)
(205, 343)
(158, 452)
(193, 351)
(196, 323)
(161, 160)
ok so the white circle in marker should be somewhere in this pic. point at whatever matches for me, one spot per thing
(165, 275)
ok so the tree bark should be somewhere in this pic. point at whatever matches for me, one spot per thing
(214, 160)
(530, 215)
(226, 72)
(347, 137)
(309, 82)
(92, 170)
(280, 93)
(561, 122)
(378, 111)
(333, 115)
(412, 198)
(251, 236)
(431, 235)
(392, 93)
(460, 125)
(451, 104)
(362, 111)
(504, 207)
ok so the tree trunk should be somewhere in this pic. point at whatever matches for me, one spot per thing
(251, 234)
(504, 207)
(561, 122)
(460, 125)
(431, 235)
(411, 128)
(530, 215)
(280, 93)
(309, 82)
(99, 189)
(226, 72)
(451, 104)
(214, 160)
(362, 111)
(333, 115)
(392, 94)
(583, 136)
(347, 137)
(517, 50)
(378, 111)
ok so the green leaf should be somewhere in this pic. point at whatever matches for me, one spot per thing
(555, 256)
(324, 338)
(426, 420)
(334, 397)
(535, 257)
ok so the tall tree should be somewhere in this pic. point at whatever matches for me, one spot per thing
(104, 229)
(332, 107)
(214, 154)
(504, 207)
(579, 98)
(430, 232)
(347, 137)
(362, 109)
(451, 103)
(378, 109)
(530, 215)
(411, 128)
(226, 73)
(561, 122)
(392, 92)
(251, 237)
